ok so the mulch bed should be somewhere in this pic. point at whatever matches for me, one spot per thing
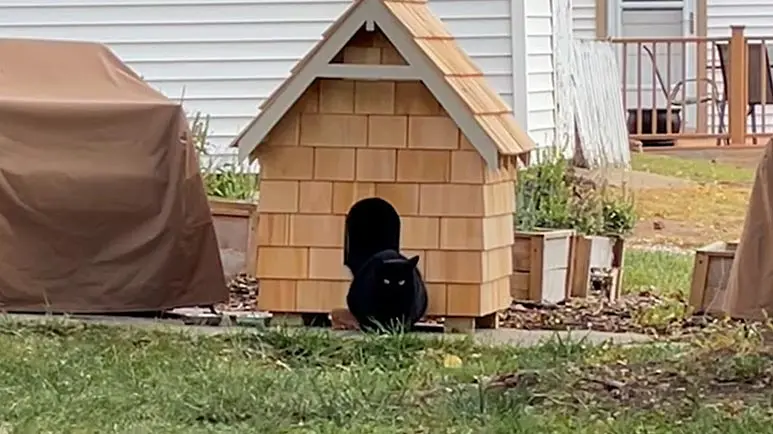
(243, 294)
(643, 312)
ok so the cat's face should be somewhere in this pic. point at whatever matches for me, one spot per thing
(397, 274)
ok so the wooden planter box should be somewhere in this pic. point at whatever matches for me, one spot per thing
(236, 224)
(710, 274)
(541, 265)
(595, 252)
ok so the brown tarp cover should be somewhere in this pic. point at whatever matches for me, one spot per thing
(749, 290)
(102, 208)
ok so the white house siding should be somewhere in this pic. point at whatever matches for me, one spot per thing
(584, 19)
(539, 71)
(227, 56)
(757, 16)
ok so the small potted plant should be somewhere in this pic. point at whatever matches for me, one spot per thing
(543, 234)
(567, 229)
(604, 218)
(232, 194)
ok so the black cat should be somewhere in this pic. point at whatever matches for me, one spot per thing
(387, 292)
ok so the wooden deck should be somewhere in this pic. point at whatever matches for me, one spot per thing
(652, 91)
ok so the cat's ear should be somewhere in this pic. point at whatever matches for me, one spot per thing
(413, 261)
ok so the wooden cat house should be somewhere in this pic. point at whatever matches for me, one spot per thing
(388, 106)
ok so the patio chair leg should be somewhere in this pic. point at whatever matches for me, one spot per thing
(721, 112)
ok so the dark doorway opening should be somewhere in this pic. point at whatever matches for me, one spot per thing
(372, 225)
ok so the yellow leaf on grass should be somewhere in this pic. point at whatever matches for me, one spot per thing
(452, 361)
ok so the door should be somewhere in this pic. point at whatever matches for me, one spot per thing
(647, 19)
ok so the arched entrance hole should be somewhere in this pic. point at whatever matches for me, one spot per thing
(372, 225)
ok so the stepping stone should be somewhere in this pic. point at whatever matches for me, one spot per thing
(248, 319)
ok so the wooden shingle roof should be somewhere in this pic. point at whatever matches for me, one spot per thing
(438, 61)
(488, 108)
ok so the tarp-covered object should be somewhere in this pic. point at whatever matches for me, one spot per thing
(749, 292)
(102, 207)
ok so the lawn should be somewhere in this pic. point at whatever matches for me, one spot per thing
(660, 272)
(711, 209)
(698, 170)
(692, 216)
(62, 377)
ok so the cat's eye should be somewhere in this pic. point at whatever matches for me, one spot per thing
(386, 281)
(401, 283)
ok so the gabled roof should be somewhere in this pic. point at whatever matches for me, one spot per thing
(433, 57)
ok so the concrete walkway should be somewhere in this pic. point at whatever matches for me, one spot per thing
(502, 336)
(633, 179)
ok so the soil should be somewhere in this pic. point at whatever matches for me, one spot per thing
(635, 313)
(652, 232)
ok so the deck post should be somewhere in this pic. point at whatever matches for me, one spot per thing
(737, 93)
(602, 19)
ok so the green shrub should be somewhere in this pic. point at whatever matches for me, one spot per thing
(542, 196)
(618, 214)
(550, 196)
(227, 181)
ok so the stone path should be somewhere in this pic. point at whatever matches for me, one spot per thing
(634, 179)
(514, 337)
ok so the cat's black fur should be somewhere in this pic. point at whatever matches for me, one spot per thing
(388, 291)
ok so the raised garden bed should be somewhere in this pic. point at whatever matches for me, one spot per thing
(597, 264)
(710, 274)
(236, 224)
(541, 265)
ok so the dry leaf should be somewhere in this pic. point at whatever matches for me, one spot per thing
(452, 361)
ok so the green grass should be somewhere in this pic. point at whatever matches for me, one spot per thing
(64, 377)
(698, 170)
(657, 271)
